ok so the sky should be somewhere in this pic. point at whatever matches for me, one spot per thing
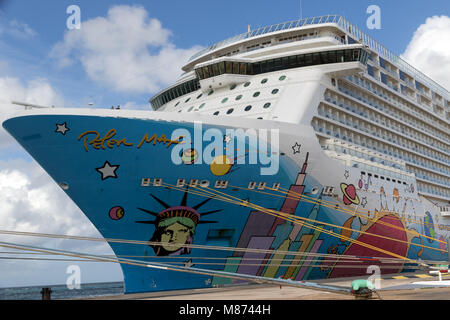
(125, 52)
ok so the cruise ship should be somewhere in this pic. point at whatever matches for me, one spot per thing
(298, 151)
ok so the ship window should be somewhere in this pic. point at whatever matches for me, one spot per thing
(216, 113)
(206, 72)
(246, 84)
(282, 78)
(275, 91)
(224, 100)
(256, 94)
(269, 65)
(233, 86)
(277, 64)
(301, 60)
(215, 68)
(257, 68)
(177, 103)
(267, 105)
(239, 97)
(264, 80)
(201, 106)
(348, 56)
(230, 111)
(324, 57)
(228, 67)
(356, 55)
(242, 68)
(249, 68)
(332, 56)
(316, 58)
(292, 61)
(308, 59)
(340, 56)
(236, 67)
(190, 109)
(248, 108)
(221, 67)
(211, 92)
(200, 95)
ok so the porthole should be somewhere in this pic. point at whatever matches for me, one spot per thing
(177, 103)
(187, 100)
(201, 106)
(239, 97)
(264, 80)
(267, 105)
(248, 108)
(211, 92)
(282, 78)
(315, 190)
(256, 94)
(233, 86)
(216, 113)
(259, 118)
(246, 84)
(275, 91)
(200, 95)
(230, 111)
(224, 100)
(190, 109)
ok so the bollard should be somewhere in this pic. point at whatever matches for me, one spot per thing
(46, 293)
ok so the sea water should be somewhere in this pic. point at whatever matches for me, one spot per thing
(62, 292)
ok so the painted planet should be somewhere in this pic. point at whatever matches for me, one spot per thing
(393, 240)
(116, 213)
(350, 196)
(221, 165)
(189, 156)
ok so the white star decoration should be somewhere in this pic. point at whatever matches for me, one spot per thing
(364, 202)
(62, 128)
(296, 148)
(108, 171)
(346, 174)
(226, 139)
(188, 263)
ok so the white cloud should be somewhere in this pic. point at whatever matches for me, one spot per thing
(429, 49)
(32, 202)
(37, 91)
(20, 29)
(126, 50)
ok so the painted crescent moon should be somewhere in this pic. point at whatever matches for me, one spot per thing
(116, 213)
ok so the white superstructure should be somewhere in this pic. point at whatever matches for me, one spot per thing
(369, 108)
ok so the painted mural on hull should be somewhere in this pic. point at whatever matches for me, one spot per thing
(289, 225)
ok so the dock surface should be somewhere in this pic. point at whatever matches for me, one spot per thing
(392, 287)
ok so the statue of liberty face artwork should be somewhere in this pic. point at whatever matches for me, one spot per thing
(175, 226)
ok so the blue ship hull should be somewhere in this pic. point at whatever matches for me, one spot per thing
(121, 174)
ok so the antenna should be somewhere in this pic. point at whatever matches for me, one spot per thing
(301, 13)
